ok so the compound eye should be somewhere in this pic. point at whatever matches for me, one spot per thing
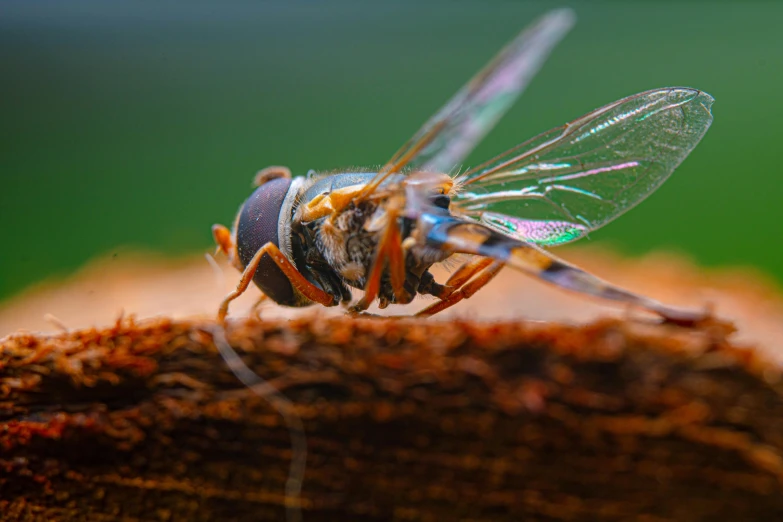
(257, 226)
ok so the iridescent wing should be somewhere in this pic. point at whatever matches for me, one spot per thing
(564, 183)
(452, 133)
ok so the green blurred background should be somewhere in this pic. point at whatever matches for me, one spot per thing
(141, 124)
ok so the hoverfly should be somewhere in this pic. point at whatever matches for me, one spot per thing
(309, 240)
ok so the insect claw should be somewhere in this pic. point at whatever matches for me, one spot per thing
(353, 312)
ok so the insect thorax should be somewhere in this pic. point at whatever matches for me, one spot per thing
(339, 251)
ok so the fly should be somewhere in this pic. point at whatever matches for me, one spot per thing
(309, 240)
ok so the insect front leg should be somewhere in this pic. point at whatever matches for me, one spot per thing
(224, 241)
(389, 251)
(485, 269)
(298, 281)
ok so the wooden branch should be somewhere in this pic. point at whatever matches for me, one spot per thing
(405, 420)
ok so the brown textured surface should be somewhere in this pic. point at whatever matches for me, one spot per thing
(406, 420)
(494, 417)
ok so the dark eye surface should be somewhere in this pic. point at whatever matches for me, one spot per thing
(257, 226)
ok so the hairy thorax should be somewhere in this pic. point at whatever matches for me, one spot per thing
(346, 243)
(349, 243)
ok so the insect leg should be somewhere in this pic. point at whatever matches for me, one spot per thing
(298, 281)
(465, 272)
(223, 240)
(486, 273)
(396, 258)
(389, 249)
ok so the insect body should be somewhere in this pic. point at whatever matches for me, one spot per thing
(309, 240)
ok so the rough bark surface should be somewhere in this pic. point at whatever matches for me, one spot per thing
(405, 420)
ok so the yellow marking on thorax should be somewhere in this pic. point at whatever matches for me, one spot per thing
(326, 204)
(336, 201)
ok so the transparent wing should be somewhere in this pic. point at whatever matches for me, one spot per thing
(573, 179)
(452, 133)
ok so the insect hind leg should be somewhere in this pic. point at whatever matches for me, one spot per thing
(465, 272)
(462, 286)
